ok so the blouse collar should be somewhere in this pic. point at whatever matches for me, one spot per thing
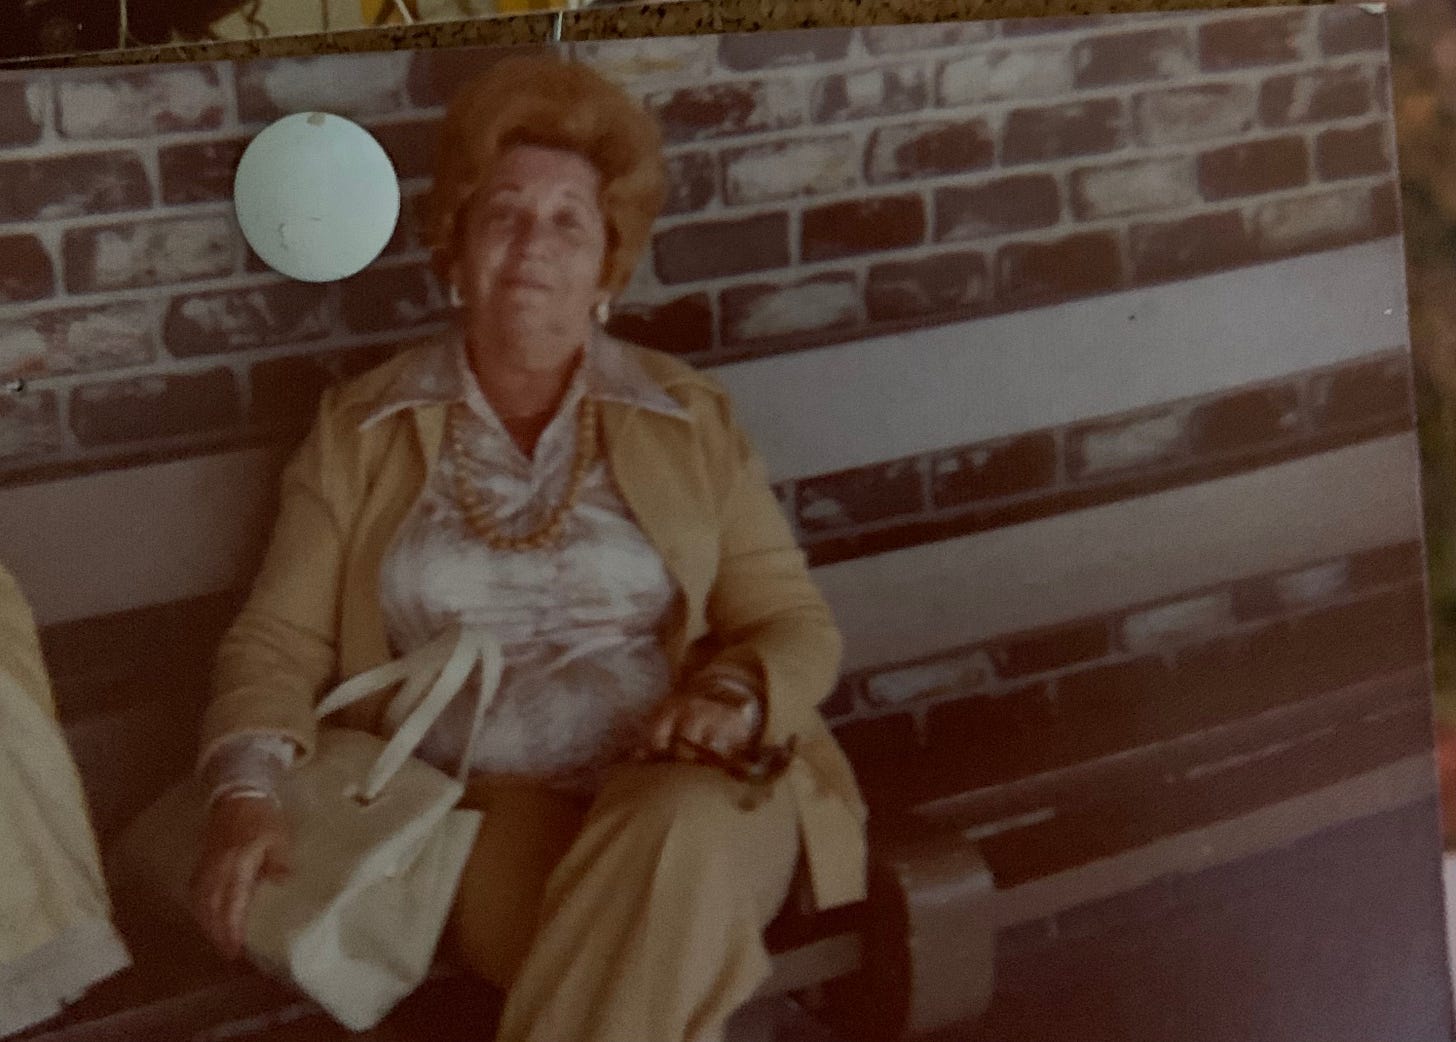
(440, 375)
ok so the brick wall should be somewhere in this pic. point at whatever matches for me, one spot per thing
(826, 186)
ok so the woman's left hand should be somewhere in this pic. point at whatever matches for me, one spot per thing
(726, 730)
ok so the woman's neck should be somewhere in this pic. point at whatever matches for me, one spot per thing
(517, 385)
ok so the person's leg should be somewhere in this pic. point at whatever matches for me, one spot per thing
(525, 830)
(652, 925)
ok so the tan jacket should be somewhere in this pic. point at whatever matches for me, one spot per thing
(701, 496)
(56, 937)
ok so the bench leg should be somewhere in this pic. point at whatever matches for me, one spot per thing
(928, 959)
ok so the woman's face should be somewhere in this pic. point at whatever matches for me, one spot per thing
(533, 246)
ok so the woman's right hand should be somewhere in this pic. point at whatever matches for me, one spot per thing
(247, 840)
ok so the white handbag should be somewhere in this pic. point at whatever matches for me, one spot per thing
(377, 842)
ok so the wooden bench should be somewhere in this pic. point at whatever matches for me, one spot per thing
(916, 957)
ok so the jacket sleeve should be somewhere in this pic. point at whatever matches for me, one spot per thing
(281, 651)
(764, 611)
(20, 653)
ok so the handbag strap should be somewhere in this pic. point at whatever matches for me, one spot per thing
(448, 659)
(492, 664)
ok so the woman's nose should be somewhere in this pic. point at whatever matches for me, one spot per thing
(529, 233)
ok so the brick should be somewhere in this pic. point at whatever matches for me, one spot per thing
(1244, 419)
(1123, 443)
(1315, 97)
(199, 172)
(1297, 658)
(1396, 562)
(435, 75)
(1192, 246)
(285, 391)
(410, 146)
(380, 298)
(1253, 168)
(1323, 221)
(966, 673)
(25, 269)
(1353, 395)
(917, 150)
(994, 470)
(154, 407)
(1253, 40)
(692, 182)
(1077, 129)
(1311, 586)
(943, 284)
(723, 109)
(78, 340)
(137, 104)
(887, 91)
(20, 112)
(862, 226)
(1052, 648)
(1000, 207)
(1139, 186)
(720, 249)
(746, 52)
(1106, 709)
(681, 326)
(1033, 274)
(211, 323)
(807, 308)
(352, 85)
(860, 496)
(30, 425)
(902, 39)
(879, 750)
(1176, 622)
(1026, 72)
(1147, 54)
(72, 186)
(651, 61)
(986, 739)
(1347, 28)
(148, 254)
(1354, 152)
(1187, 114)
(786, 169)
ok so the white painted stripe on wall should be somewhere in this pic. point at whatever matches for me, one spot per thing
(818, 411)
(925, 599)
(125, 539)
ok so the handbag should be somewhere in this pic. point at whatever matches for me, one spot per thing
(378, 844)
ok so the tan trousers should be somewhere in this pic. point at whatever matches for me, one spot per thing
(637, 918)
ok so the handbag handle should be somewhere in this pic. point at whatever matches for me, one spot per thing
(449, 658)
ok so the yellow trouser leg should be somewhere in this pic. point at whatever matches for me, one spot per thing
(525, 831)
(650, 928)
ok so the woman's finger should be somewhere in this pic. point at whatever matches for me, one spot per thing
(240, 892)
(663, 729)
(212, 894)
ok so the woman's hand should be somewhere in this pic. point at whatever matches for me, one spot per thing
(725, 729)
(247, 840)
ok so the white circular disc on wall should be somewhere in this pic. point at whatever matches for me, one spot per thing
(316, 196)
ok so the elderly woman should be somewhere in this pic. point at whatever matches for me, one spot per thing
(593, 505)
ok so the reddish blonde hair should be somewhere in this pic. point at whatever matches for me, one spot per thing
(543, 100)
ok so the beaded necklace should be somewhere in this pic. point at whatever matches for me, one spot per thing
(472, 503)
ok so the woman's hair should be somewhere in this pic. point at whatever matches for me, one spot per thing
(543, 100)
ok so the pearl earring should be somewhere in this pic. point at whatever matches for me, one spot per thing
(603, 310)
(456, 300)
